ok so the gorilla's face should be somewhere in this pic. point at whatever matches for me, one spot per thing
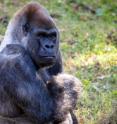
(43, 46)
(38, 34)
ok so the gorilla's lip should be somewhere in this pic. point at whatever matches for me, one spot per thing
(46, 59)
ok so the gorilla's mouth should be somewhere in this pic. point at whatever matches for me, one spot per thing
(47, 61)
(47, 58)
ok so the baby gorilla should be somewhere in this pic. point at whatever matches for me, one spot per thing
(65, 89)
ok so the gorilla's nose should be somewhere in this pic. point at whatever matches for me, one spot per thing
(49, 46)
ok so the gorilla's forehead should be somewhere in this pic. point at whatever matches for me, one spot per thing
(39, 20)
(38, 15)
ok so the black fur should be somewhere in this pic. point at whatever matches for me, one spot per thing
(24, 91)
(29, 58)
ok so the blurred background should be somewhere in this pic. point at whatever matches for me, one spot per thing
(88, 31)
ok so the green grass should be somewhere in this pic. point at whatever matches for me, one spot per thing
(89, 49)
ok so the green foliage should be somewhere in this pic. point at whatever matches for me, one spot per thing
(88, 32)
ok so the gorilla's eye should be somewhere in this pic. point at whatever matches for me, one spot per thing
(41, 34)
(53, 36)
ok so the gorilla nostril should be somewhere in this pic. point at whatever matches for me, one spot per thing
(52, 46)
(49, 46)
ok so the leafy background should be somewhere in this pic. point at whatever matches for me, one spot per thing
(88, 30)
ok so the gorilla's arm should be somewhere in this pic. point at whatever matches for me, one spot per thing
(28, 91)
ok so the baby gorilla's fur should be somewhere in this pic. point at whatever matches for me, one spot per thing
(65, 89)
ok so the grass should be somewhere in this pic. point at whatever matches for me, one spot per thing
(88, 32)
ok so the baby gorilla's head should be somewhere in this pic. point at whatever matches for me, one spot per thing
(65, 89)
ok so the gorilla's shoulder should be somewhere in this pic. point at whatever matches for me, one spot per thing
(14, 53)
(12, 49)
(14, 57)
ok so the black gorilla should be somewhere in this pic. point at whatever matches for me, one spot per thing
(33, 28)
(29, 58)
(22, 92)
(25, 98)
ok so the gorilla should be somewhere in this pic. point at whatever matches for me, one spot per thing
(31, 89)
(22, 93)
(33, 28)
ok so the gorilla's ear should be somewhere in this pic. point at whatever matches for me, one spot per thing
(26, 28)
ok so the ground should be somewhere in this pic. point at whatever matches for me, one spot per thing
(88, 30)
